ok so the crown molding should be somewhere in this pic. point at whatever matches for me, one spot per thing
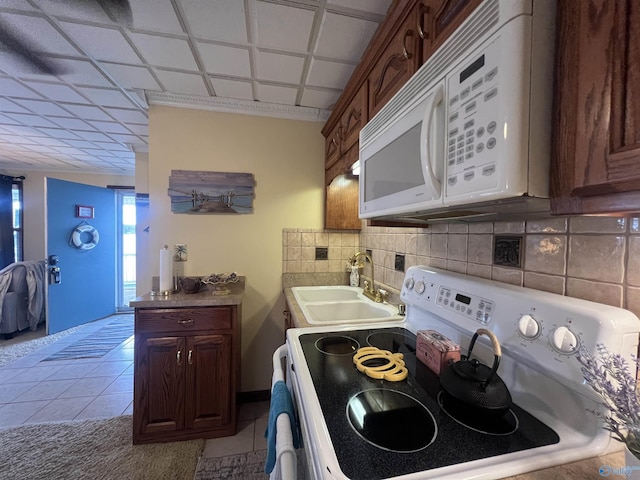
(233, 105)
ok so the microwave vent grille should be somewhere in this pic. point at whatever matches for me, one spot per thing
(483, 19)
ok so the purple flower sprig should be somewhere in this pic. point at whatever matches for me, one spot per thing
(611, 378)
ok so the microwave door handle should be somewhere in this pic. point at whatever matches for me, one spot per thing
(426, 149)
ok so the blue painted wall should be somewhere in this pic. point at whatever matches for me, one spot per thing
(88, 288)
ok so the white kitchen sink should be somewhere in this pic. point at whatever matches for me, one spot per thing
(341, 304)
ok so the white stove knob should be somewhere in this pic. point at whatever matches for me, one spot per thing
(420, 287)
(564, 340)
(528, 327)
(409, 282)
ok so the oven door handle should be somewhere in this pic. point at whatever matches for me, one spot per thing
(286, 460)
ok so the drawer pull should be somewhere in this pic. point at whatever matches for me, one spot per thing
(186, 322)
(179, 357)
(189, 357)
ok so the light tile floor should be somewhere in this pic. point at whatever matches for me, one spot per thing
(33, 391)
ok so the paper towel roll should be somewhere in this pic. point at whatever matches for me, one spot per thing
(166, 269)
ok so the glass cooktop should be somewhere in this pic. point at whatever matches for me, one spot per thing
(381, 429)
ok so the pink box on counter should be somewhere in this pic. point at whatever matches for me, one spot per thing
(435, 350)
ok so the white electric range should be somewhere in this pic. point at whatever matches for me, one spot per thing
(356, 427)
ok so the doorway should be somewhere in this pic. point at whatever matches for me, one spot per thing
(126, 221)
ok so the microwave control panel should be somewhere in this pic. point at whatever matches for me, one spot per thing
(473, 127)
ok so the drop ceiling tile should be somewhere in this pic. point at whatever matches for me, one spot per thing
(94, 136)
(56, 91)
(106, 97)
(109, 127)
(165, 52)
(124, 138)
(11, 88)
(279, 68)
(155, 15)
(87, 112)
(275, 94)
(329, 74)
(138, 129)
(5, 121)
(81, 72)
(17, 142)
(80, 10)
(7, 106)
(80, 143)
(49, 142)
(16, 66)
(31, 120)
(41, 149)
(232, 88)
(58, 133)
(16, 4)
(22, 131)
(44, 107)
(344, 38)
(319, 98)
(283, 27)
(221, 20)
(94, 41)
(378, 7)
(127, 115)
(69, 150)
(38, 34)
(72, 123)
(129, 76)
(225, 60)
(189, 84)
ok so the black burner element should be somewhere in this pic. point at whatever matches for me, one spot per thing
(391, 420)
(490, 424)
(337, 345)
(394, 342)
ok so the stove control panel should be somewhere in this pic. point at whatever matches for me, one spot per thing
(472, 306)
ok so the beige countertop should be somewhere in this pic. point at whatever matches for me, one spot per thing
(584, 469)
(206, 297)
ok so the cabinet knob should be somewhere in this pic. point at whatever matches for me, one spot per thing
(186, 322)
(179, 357)
(189, 357)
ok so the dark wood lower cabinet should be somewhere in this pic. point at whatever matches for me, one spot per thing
(185, 373)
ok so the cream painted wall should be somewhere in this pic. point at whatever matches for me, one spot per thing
(287, 159)
(34, 203)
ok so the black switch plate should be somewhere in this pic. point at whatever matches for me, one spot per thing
(507, 251)
(322, 253)
(399, 265)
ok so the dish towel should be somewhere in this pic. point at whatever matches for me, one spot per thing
(281, 402)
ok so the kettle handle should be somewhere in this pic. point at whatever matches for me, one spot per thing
(497, 351)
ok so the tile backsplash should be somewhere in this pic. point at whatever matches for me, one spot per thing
(594, 258)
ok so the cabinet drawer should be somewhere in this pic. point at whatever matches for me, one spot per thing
(186, 320)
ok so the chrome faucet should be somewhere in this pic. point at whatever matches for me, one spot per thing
(369, 290)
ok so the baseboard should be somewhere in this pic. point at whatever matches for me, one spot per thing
(255, 396)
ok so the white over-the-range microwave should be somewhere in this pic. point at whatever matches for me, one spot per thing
(468, 137)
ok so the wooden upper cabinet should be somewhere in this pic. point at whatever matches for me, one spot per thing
(395, 65)
(596, 146)
(354, 118)
(439, 18)
(332, 147)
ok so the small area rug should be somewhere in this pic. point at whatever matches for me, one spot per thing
(99, 343)
(244, 466)
(92, 450)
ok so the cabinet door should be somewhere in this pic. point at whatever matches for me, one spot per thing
(210, 400)
(332, 146)
(160, 363)
(596, 157)
(397, 63)
(353, 119)
(441, 18)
